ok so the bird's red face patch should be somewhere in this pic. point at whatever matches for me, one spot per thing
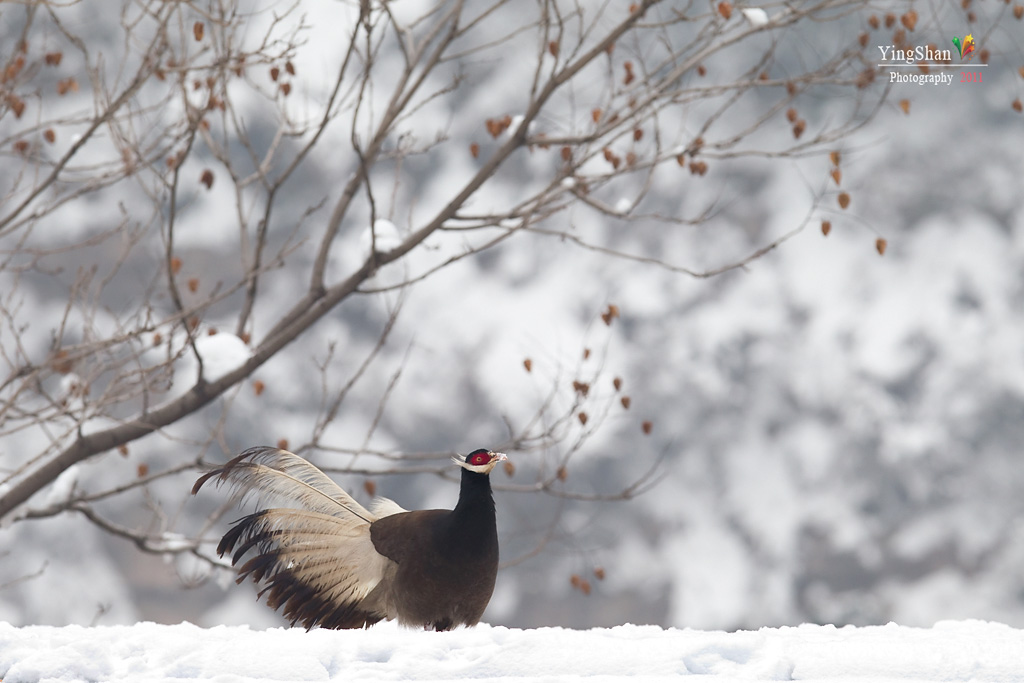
(479, 457)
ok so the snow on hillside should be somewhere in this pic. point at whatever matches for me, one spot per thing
(950, 651)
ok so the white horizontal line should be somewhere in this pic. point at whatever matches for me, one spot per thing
(910, 66)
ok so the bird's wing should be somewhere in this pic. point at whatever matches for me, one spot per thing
(402, 535)
(278, 476)
(317, 568)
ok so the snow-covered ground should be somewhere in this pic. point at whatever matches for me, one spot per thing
(950, 651)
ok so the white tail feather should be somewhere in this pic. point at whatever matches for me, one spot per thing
(276, 476)
(385, 507)
(326, 553)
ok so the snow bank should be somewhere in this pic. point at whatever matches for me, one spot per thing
(950, 651)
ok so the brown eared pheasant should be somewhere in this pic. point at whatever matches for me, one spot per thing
(325, 560)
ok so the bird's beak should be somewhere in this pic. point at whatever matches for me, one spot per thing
(497, 457)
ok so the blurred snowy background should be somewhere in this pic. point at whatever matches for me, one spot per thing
(839, 432)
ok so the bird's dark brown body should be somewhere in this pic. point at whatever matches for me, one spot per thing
(447, 559)
(330, 562)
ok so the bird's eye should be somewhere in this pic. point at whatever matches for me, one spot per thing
(479, 458)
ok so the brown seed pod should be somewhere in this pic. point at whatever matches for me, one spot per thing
(198, 30)
(258, 386)
(725, 9)
(474, 150)
(617, 383)
(698, 167)
(62, 362)
(282, 444)
(528, 364)
(207, 178)
(880, 245)
(370, 486)
(13, 69)
(647, 426)
(625, 400)
(582, 417)
(844, 200)
(826, 228)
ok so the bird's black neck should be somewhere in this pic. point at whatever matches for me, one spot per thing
(476, 503)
